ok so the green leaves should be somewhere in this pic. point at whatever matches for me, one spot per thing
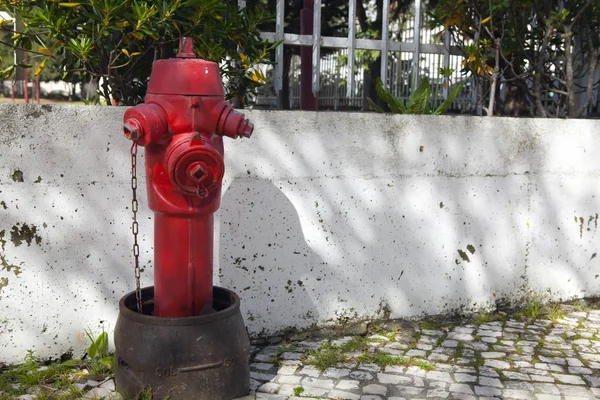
(119, 39)
(99, 346)
(418, 102)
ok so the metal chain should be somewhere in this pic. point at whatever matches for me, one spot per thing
(135, 227)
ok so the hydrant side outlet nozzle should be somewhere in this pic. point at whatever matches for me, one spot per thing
(182, 124)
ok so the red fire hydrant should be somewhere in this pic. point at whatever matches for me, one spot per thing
(182, 124)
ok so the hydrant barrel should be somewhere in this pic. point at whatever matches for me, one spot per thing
(185, 286)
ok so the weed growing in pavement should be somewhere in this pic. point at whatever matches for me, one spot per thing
(535, 306)
(298, 390)
(330, 354)
(21, 379)
(555, 312)
(483, 318)
(382, 359)
(581, 306)
(421, 364)
(100, 361)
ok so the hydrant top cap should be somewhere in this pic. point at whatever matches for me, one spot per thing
(185, 76)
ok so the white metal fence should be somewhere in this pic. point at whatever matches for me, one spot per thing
(337, 78)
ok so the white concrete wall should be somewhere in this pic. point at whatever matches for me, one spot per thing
(325, 216)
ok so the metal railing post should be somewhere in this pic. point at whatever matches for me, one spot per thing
(385, 22)
(316, 71)
(351, 46)
(416, 79)
(279, 25)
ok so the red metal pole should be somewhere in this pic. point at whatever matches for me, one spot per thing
(183, 264)
(26, 77)
(37, 89)
(308, 101)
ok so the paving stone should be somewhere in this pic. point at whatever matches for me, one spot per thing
(485, 381)
(487, 371)
(461, 336)
(288, 390)
(497, 364)
(518, 385)
(535, 371)
(593, 381)
(570, 379)
(489, 339)
(438, 357)
(394, 369)
(516, 376)
(264, 357)
(546, 388)
(336, 373)
(254, 384)
(339, 394)
(463, 396)
(269, 387)
(461, 388)
(450, 343)
(492, 354)
(416, 371)
(468, 353)
(580, 371)
(437, 393)
(289, 379)
(375, 389)
(547, 397)
(569, 390)
(393, 352)
(517, 394)
(439, 376)
(409, 390)
(541, 378)
(549, 367)
(476, 345)
(522, 364)
(318, 383)
(445, 350)
(483, 332)
(415, 353)
(487, 391)
(425, 346)
(553, 360)
(269, 396)
(574, 362)
(393, 379)
(287, 370)
(370, 397)
(261, 366)
(418, 382)
(432, 333)
(310, 371)
(290, 356)
(260, 376)
(99, 393)
(464, 369)
(361, 376)
(346, 384)
(369, 367)
(462, 378)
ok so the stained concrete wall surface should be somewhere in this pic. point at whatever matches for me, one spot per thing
(325, 218)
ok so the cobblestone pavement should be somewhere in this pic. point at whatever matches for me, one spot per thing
(506, 359)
